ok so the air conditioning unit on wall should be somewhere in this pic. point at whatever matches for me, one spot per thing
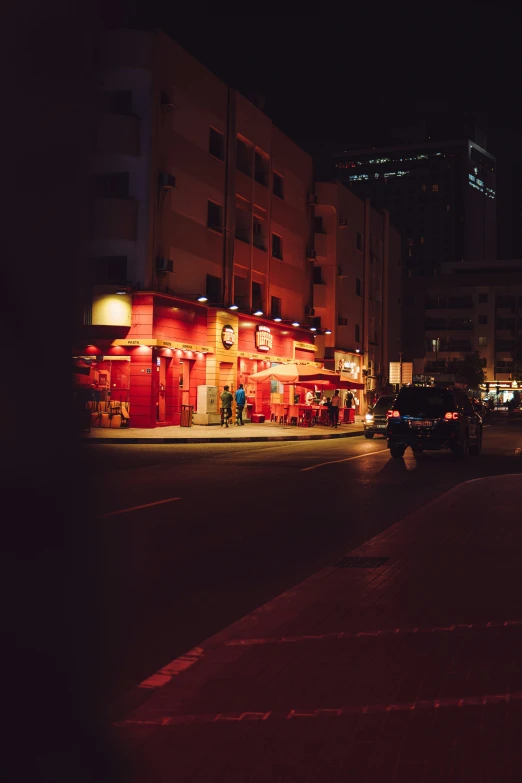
(311, 254)
(343, 222)
(164, 265)
(166, 180)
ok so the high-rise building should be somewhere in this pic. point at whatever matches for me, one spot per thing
(440, 196)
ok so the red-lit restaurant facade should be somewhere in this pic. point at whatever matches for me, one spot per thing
(173, 347)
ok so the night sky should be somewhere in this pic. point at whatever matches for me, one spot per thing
(348, 81)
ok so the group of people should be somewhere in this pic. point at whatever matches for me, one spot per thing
(226, 405)
(333, 404)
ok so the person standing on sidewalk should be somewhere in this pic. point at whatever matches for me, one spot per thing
(336, 401)
(240, 403)
(226, 406)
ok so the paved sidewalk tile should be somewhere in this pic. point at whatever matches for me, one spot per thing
(409, 671)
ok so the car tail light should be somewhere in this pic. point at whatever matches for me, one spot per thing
(450, 416)
(392, 415)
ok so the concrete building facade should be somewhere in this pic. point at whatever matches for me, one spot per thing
(470, 307)
(357, 275)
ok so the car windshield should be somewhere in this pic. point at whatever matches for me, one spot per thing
(424, 402)
(382, 405)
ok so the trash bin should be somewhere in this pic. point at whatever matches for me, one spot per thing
(186, 415)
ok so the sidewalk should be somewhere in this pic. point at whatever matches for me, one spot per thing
(200, 433)
(401, 669)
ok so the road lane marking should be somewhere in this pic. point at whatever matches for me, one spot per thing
(346, 459)
(136, 508)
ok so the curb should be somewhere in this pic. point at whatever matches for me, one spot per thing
(253, 439)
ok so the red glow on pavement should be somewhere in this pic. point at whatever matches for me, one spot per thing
(376, 633)
(335, 712)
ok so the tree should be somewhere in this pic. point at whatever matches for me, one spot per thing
(471, 369)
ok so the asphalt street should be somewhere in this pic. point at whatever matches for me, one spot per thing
(192, 537)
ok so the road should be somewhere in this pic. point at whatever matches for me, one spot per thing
(240, 523)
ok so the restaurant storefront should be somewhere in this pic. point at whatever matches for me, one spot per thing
(349, 365)
(262, 345)
(143, 377)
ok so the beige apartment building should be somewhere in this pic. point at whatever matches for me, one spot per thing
(203, 262)
(357, 279)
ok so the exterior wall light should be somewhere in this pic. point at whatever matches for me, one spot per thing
(202, 298)
(295, 323)
(233, 307)
(328, 331)
(258, 312)
(278, 320)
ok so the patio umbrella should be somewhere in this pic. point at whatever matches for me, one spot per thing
(296, 373)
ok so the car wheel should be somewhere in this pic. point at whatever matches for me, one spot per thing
(476, 448)
(397, 451)
(461, 449)
(369, 435)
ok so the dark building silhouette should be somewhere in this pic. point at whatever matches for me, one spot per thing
(441, 197)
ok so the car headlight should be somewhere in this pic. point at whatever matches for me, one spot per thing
(369, 417)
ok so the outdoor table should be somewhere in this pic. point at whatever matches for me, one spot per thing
(305, 412)
(324, 418)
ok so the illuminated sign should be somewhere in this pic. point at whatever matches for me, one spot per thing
(228, 336)
(305, 346)
(264, 338)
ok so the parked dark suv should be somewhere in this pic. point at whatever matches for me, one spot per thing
(376, 420)
(425, 417)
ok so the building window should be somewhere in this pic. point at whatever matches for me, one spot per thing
(279, 186)
(318, 275)
(261, 168)
(277, 246)
(358, 286)
(257, 296)
(482, 341)
(318, 225)
(117, 102)
(109, 269)
(216, 144)
(244, 157)
(342, 321)
(435, 188)
(422, 240)
(357, 333)
(114, 185)
(275, 307)
(423, 188)
(483, 298)
(213, 289)
(243, 225)
(359, 241)
(215, 216)
(482, 319)
(259, 234)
